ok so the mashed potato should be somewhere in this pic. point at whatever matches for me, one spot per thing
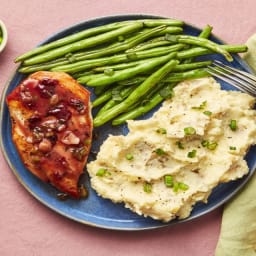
(166, 164)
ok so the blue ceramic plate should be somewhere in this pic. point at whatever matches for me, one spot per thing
(94, 210)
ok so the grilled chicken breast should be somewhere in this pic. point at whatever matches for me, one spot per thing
(52, 128)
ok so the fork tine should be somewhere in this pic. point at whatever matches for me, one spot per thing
(237, 74)
(242, 74)
(241, 80)
(231, 80)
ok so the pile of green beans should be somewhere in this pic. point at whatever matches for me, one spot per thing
(131, 65)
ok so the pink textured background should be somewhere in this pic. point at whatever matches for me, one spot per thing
(29, 228)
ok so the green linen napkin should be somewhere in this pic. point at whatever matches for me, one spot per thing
(238, 227)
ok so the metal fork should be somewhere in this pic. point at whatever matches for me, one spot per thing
(242, 80)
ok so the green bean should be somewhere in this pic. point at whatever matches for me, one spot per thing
(150, 23)
(86, 73)
(169, 30)
(179, 68)
(138, 93)
(88, 64)
(138, 111)
(199, 51)
(130, 81)
(191, 74)
(192, 65)
(127, 73)
(105, 96)
(162, 36)
(87, 76)
(69, 39)
(234, 48)
(179, 73)
(101, 89)
(206, 32)
(117, 66)
(102, 98)
(203, 42)
(42, 66)
(83, 44)
(158, 22)
(149, 45)
(112, 102)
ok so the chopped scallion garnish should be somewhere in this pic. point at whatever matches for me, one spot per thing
(189, 130)
(166, 92)
(232, 148)
(209, 145)
(183, 186)
(192, 154)
(179, 144)
(161, 130)
(116, 94)
(129, 156)
(101, 172)
(233, 125)
(202, 106)
(212, 145)
(207, 113)
(168, 181)
(147, 187)
(175, 186)
(160, 151)
(204, 143)
(180, 186)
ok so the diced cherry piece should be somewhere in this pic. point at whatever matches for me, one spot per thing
(34, 121)
(46, 87)
(61, 112)
(77, 104)
(52, 137)
(49, 82)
